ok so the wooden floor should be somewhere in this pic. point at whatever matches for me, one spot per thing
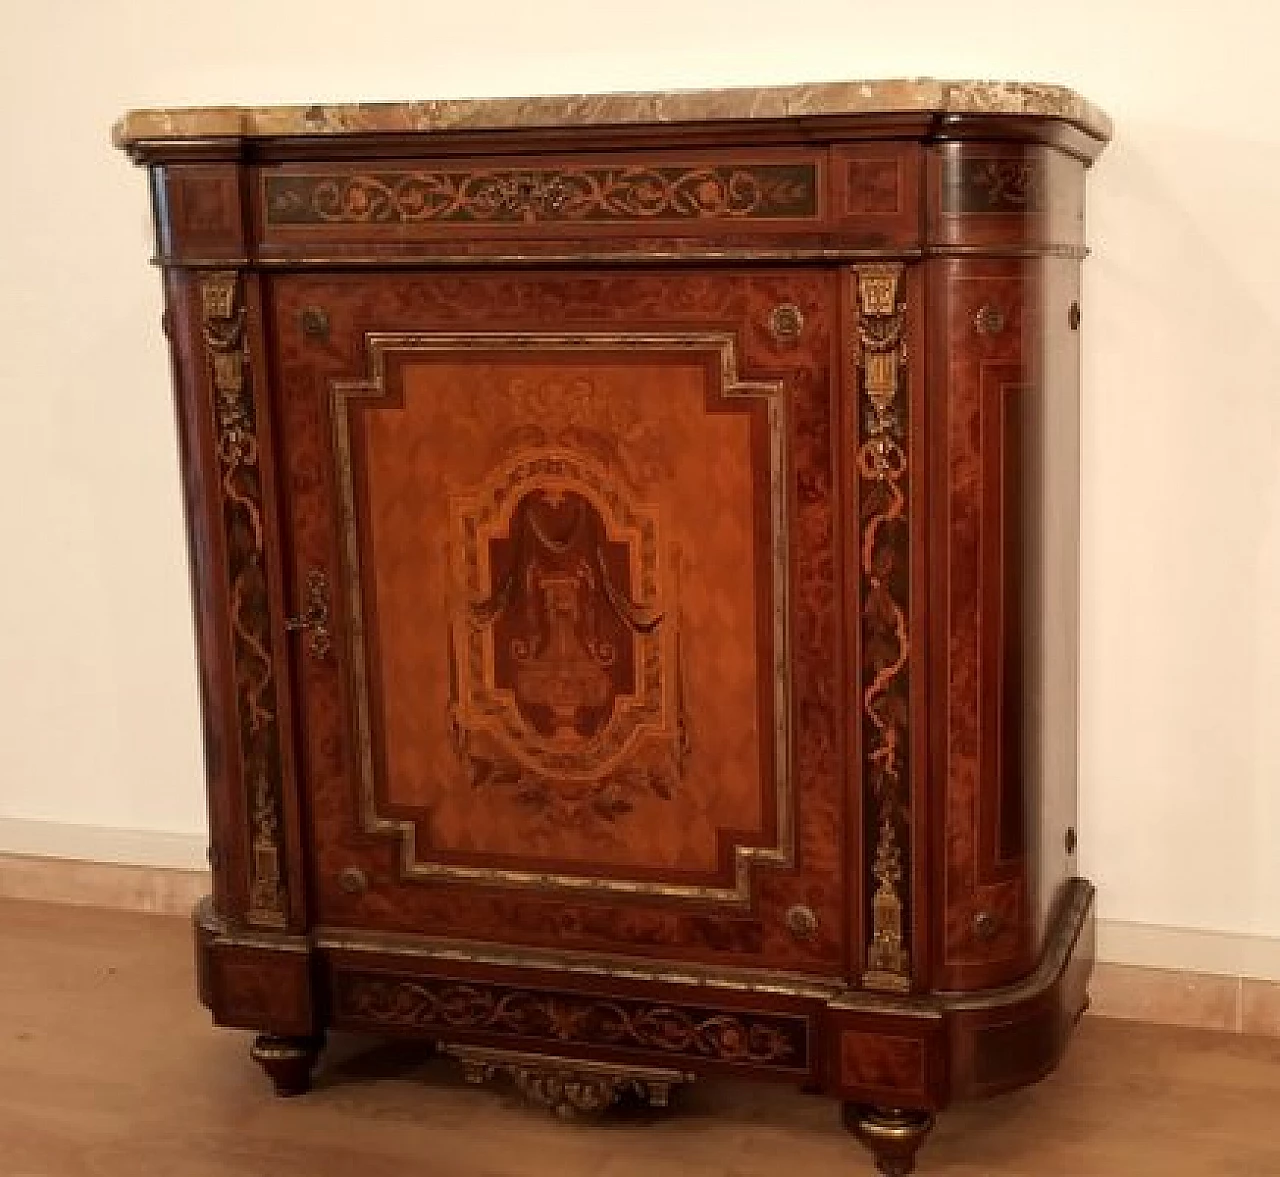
(109, 1068)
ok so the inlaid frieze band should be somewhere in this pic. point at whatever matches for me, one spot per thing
(589, 195)
(222, 326)
(1000, 185)
(884, 559)
(679, 1032)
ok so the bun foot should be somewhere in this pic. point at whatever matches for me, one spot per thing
(287, 1061)
(892, 1135)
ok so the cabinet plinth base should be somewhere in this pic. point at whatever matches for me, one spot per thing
(892, 1135)
(287, 1061)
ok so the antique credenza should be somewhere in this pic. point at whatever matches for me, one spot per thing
(634, 552)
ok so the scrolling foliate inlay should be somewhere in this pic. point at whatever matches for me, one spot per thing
(995, 186)
(883, 472)
(526, 196)
(222, 327)
(681, 1032)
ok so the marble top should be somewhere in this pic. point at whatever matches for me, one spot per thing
(899, 96)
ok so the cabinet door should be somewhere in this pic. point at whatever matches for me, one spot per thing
(570, 540)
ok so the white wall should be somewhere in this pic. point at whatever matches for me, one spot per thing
(1180, 818)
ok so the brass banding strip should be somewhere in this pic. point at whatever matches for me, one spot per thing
(692, 255)
(580, 963)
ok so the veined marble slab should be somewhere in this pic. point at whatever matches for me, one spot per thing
(900, 96)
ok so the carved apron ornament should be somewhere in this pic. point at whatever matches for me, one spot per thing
(564, 670)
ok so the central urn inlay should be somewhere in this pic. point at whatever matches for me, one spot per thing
(564, 621)
(564, 660)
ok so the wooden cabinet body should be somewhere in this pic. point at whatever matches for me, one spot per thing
(635, 573)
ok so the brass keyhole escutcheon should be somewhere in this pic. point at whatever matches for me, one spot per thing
(314, 619)
(801, 922)
(786, 321)
(989, 320)
(315, 323)
(985, 925)
(352, 880)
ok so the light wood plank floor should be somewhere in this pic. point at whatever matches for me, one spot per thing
(109, 1068)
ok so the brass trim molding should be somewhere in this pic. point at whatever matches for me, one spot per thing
(207, 919)
(222, 322)
(1068, 923)
(343, 392)
(580, 963)
(1221, 997)
(692, 254)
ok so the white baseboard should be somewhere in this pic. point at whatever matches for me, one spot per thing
(1191, 950)
(1152, 946)
(52, 839)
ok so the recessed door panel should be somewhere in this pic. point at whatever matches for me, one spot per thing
(578, 537)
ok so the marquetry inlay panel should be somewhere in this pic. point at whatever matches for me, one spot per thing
(568, 700)
(235, 415)
(883, 461)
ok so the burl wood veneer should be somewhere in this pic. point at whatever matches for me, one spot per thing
(634, 557)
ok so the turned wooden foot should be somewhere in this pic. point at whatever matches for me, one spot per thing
(892, 1135)
(287, 1061)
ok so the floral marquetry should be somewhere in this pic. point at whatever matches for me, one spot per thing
(681, 1032)
(589, 195)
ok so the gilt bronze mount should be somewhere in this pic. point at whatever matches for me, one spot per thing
(569, 1087)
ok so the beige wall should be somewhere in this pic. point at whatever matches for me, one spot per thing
(1181, 592)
